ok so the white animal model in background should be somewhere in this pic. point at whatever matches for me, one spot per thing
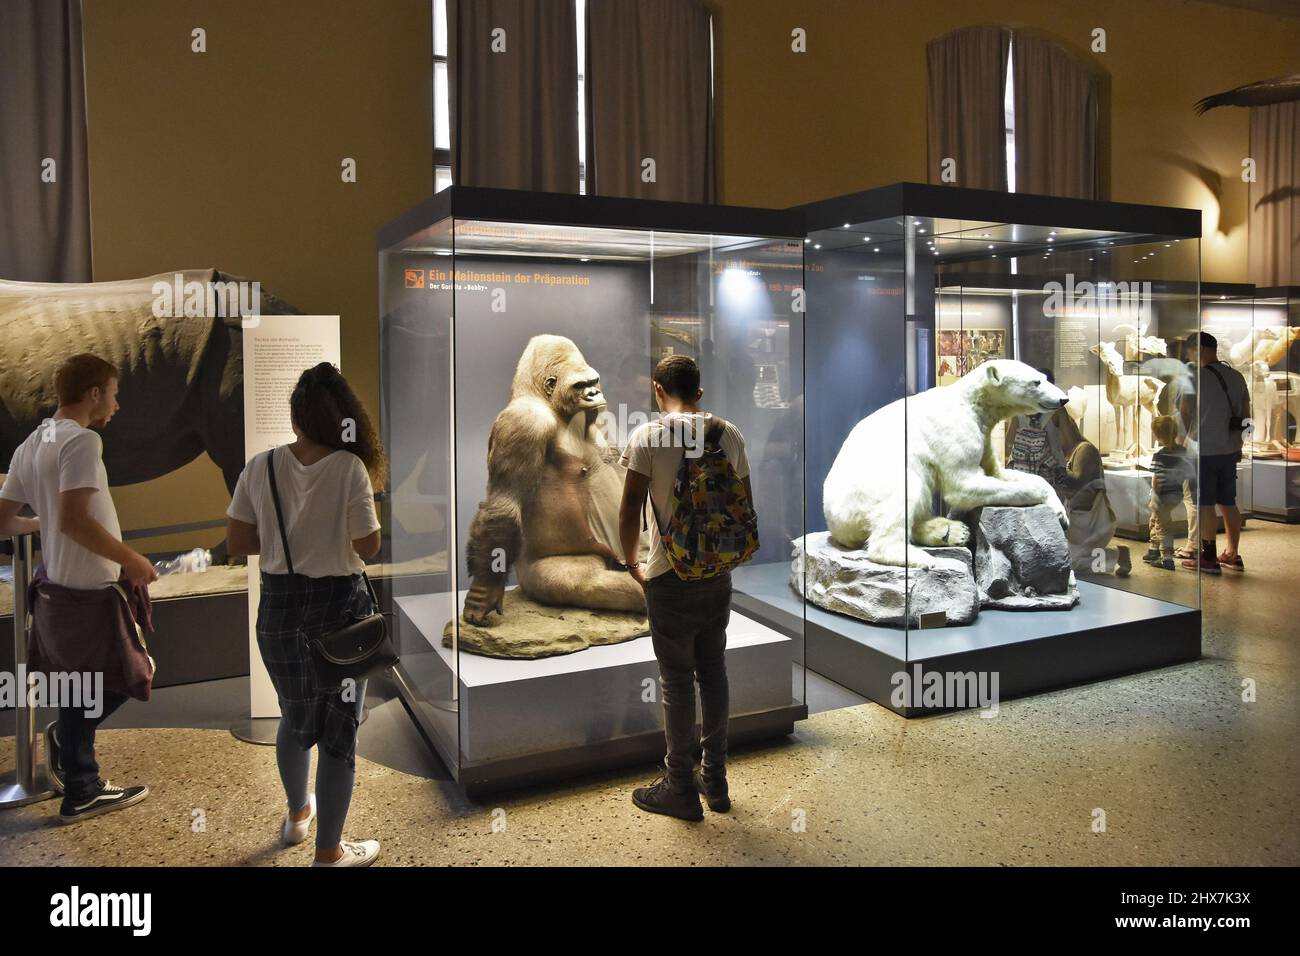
(1242, 354)
(1269, 416)
(1129, 394)
(1138, 345)
(1094, 415)
(868, 500)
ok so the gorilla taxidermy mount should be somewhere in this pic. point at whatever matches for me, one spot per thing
(554, 488)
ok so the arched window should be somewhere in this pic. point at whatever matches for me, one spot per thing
(1011, 110)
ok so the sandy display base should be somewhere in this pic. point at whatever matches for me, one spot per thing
(530, 630)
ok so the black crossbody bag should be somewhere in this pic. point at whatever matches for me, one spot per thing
(356, 650)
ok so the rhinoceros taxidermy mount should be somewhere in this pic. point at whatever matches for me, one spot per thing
(181, 385)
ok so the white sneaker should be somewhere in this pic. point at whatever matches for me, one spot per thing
(295, 831)
(355, 854)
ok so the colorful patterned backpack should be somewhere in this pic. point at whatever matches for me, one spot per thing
(713, 527)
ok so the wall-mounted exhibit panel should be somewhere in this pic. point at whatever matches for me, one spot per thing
(1000, 396)
(518, 336)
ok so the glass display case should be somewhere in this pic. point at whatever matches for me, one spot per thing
(1259, 335)
(518, 336)
(990, 369)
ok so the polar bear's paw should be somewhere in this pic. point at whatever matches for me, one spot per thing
(942, 533)
(894, 551)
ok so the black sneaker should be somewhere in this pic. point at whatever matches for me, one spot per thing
(1165, 563)
(53, 756)
(660, 797)
(1152, 556)
(104, 800)
(715, 793)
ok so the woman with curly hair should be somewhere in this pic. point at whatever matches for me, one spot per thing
(325, 481)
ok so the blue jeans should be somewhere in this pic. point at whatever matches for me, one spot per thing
(688, 626)
(334, 779)
(76, 735)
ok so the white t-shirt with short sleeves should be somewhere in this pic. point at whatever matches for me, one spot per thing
(62, 456)
(327, 505)
(656, 450)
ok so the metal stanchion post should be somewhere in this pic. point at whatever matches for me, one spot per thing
(26, 783)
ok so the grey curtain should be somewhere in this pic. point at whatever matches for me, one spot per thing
(44, 226)
(514, 114)
(967, 72)
(1275, 195)
(649, 79)
(1056, 120)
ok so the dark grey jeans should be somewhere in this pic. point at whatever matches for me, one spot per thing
(688, 625)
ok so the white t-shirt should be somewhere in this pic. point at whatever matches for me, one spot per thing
(62, 456)
(327, 506)
(656, 450)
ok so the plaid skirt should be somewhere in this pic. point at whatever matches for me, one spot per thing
(293, 610)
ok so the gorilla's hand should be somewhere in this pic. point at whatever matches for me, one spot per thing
(485, 596)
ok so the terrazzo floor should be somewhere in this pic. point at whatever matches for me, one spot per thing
(1179, 767)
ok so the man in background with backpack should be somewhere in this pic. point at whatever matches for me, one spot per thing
(1224, 414)
(695, 470)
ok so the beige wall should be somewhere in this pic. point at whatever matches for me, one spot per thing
(850, 113)
(231, 158)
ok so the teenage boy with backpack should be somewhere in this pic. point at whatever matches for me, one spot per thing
(693, 466)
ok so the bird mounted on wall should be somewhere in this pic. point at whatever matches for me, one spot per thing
(1282, 89)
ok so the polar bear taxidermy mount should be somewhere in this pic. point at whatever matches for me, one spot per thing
(871, 500)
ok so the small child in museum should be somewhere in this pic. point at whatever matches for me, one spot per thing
(1170, 468)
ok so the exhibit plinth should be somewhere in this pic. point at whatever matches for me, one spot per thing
(1110, 632)
(530, 720)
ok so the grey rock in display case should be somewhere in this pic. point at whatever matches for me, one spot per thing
(846, 581)
(1019, 560)
(1022, 560)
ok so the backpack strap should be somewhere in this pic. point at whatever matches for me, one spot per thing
(1232, 406)
(279, 516)
(713, 434)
